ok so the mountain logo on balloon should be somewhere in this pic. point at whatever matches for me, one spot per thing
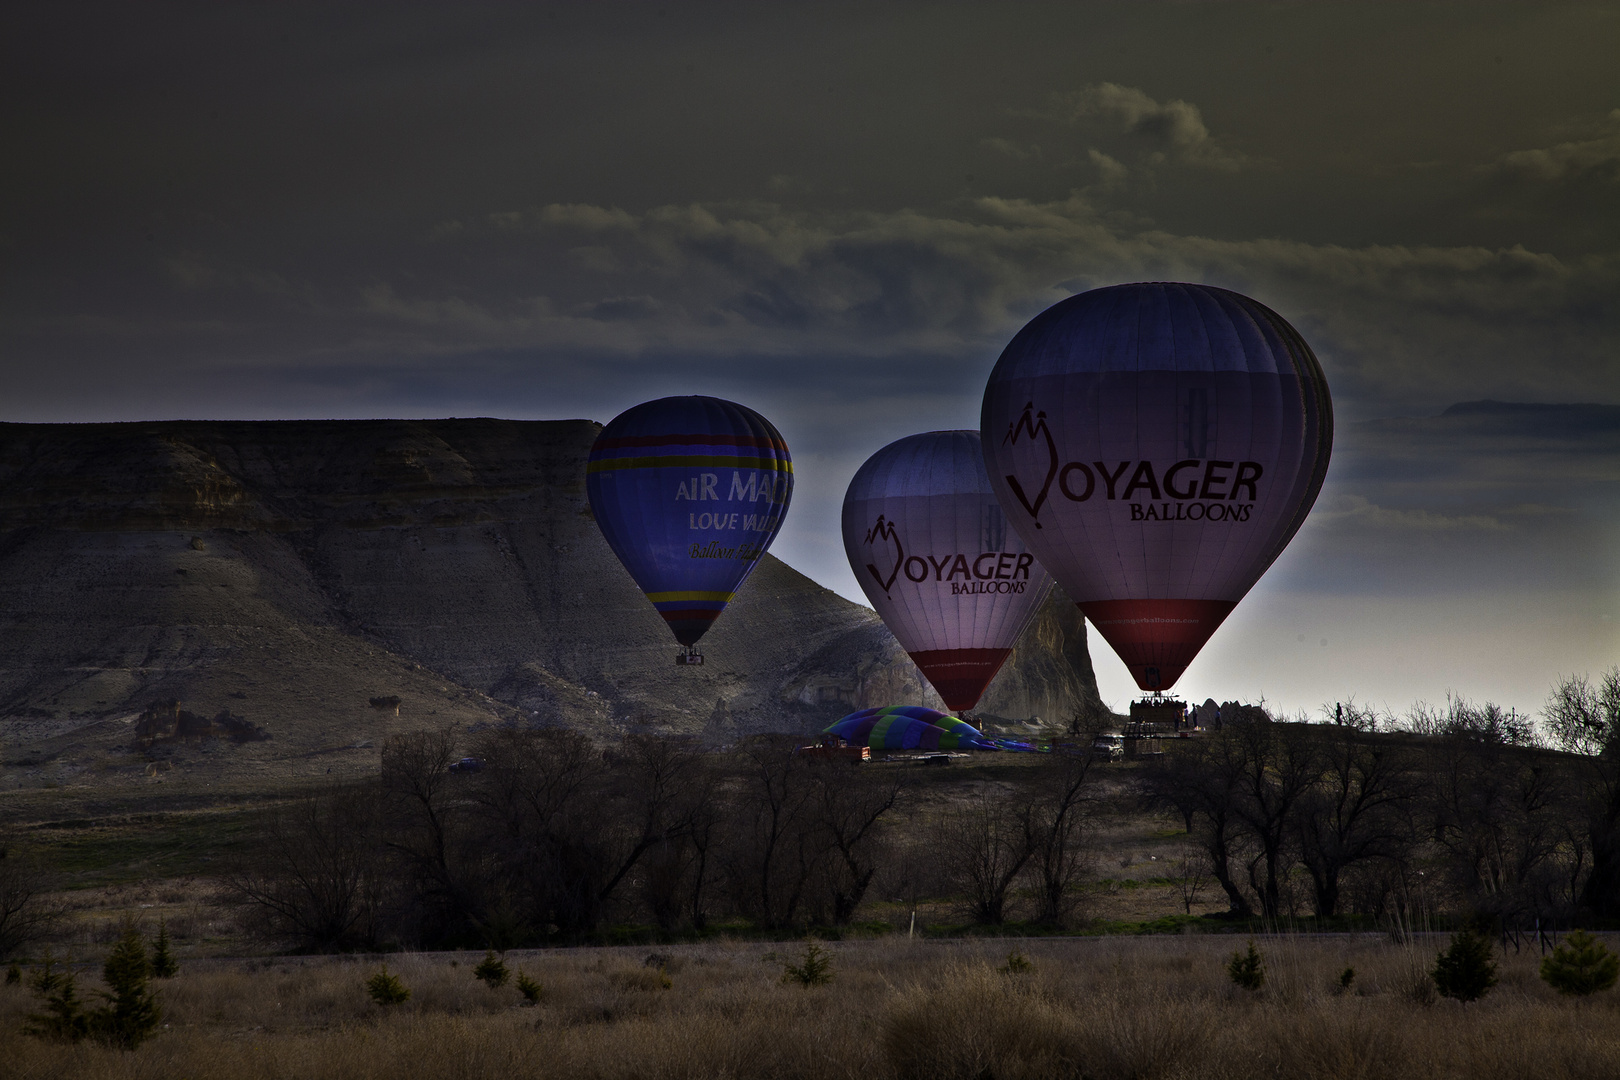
(1033, 424)
(965, 587)
(883, 529)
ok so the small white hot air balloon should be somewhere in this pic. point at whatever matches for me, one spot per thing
(930, 546)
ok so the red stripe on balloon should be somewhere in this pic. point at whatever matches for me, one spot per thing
(1161, 635)
(960, 675)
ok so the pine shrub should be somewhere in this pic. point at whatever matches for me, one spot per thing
(1247, 970)
(1465, 970)
(386, 989)
(1347, 977)
(13, 975)
(131, 1013)
(531, 989)
(1581, 965)
(1017, 964)
(815, 969)
(492, 970)
(64, 1019)
(164, 965)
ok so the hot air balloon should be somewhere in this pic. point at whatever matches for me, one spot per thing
(908, 727)
(930, 546)
(1157, 445)
(689, 492)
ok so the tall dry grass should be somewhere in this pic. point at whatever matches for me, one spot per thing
(1102, 1009)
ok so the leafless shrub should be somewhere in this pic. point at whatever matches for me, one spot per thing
(1060, 846)
(28, 911)
(314, 876)
(985, 846)
(1189, 876)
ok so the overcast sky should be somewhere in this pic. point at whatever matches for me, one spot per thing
(839, 215)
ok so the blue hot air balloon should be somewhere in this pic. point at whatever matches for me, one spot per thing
(689, 492)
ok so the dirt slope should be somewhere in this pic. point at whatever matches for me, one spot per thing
(289, 571)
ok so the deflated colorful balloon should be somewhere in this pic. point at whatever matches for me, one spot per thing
(930, 546)
(1157, 446)
(689, 492)
(906, 727)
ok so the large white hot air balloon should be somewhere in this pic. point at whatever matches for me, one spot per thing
(930, 545)
(1157, 445)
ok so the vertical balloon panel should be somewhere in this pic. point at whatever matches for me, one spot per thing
(1157, 445)
(931, 548)
(689, 492)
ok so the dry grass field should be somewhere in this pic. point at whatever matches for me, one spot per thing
(1103, 1008)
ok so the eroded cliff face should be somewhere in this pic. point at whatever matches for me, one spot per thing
(290, 570)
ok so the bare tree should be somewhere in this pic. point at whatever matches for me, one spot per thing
(774, 849)
(314, 872)
(1582, 718)
(986, 844)
(424, 818)
(1059, 824)
(1357, 811)
(849, 805)
(704, 830)
(1280, 766)
(655, 782)
(1496, 815)
(542, 795)
(1189, 871)
(27, 910)
(1203, 781)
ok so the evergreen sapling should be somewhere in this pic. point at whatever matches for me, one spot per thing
(492, 970)
(63, 1019)
(1581, 965)
(1247, 970)
(815, 970)
(164, 965)
(1465, 970)
(131, 1013)
(386, 989)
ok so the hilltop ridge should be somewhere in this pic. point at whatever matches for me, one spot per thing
(287, 572)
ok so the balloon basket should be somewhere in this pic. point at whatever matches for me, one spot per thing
(689, 657)
(1154, 717)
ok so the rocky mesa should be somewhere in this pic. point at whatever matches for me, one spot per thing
(280, 576)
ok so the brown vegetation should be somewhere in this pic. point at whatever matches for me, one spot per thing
(1099, 1008)
(541, 836)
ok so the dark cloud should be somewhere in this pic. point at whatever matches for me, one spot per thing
(1395, 325)
(1599, 155)
(840, 214)
(1171, 131)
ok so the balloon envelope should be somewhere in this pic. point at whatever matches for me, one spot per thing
(689, 492)
(908, 727)
(930, 546)
(1157, 445)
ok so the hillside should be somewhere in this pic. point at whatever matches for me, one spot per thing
(279, 575)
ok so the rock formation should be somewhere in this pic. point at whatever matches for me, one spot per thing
(290, 572)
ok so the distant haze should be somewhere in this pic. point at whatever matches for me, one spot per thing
(838, 215)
